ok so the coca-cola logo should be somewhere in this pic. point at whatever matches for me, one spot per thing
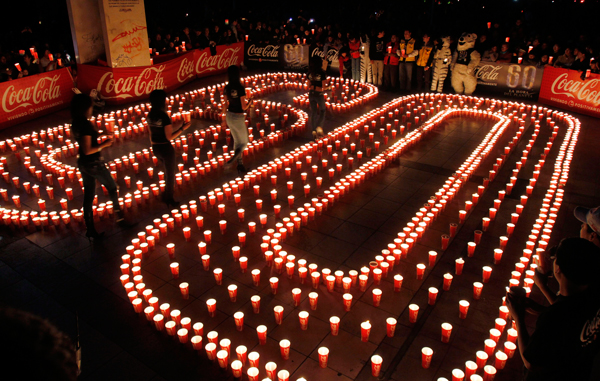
(221, 61)
(590, 330)
(45, 89)
(140, 85)
(488, 73)
(332, 54)
(587, 91)
(186, 70)
(269, 51)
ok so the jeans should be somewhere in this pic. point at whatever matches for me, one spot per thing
(377, 67)
(406, 70)
(390, 77)
(90, 172)
(166, 153)
(423, 78)
(239, 132)
(316, 116)
(356, 69)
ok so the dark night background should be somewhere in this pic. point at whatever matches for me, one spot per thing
(559, 18)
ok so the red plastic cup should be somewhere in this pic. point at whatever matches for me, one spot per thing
(458, 375)
(175, 270)
(232, 289)
(413, 313)
(376, 297)
(211, 351)
(261, 331)
(490, 346)
(296, 293)
(284, 348)
(239, 320)
(185, 290)
(242, 353)
(432, 258)
(433, 293)
(398, 282)
(391, 326)
(253, 374)
(470, 369)
(271, 369)
(463, 308)
(446, 332)
(376, 362)
(316, 278)
(481, 359)
(196, 342)
(489, 372)
(365, 331)
(303, 317)
(223, 358)
(420, 271)
(278, 311)
(218, 273)
(362, 282)
(255, 303)
(274, 284)
(459, 264)
(283, 375)
(447, 281)
(477, 288)
(347, 298)
(487, 273)
(445, 241)
(334, 323)
(313, 299)
(500, 360)
(323, 356)
(211, 304)
(426, 355)
(236, 368)
(509, 348)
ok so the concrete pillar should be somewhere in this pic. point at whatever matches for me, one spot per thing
(86, 30)
(125, 32)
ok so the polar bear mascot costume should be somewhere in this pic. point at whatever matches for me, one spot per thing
(464, 62)
(441, 62)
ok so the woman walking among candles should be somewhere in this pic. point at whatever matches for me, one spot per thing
(90, 162)
(316, 99)
(162, 131)
(236, 102)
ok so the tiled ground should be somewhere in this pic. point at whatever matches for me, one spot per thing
(55, 274)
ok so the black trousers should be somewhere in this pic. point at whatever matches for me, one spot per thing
(166, 154)
(90, 172)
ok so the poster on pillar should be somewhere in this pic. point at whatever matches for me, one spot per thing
(294, 57)
(125, 33)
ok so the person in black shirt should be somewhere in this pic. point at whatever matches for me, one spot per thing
(234, 105)
(555, 350)
(376, 54)
(90, 162)
(316, 87)
(162, 131)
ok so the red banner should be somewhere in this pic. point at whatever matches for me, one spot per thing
(125, 85)
(33, 96)
(564, 89)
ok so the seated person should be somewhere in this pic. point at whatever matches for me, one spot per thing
(490, 55)
(554, 350)
(505, 54)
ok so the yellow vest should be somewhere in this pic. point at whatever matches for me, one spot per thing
(424, 54)
(410, 47)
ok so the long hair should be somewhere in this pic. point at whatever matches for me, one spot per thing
(80, 104)
(157, 99)
(233, 75)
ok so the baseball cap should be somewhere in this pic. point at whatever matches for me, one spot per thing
(589, 216)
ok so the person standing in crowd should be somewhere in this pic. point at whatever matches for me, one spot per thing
(90, 162)
(376, 54)
(235, 103)
(424, 61)
(554, 350)
(590, 223)
(162, 131)
(505, 55)
(354, 45)
(366, 74)
(565, 60)
(316, 88)
(581, 62)
(490, 55)
(390, 64)
(408, 56)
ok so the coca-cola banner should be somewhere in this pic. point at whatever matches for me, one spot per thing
(33, 96)
(287, 56)
(262, 55)
(122, 85)
(565, 89)
(510, 80)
